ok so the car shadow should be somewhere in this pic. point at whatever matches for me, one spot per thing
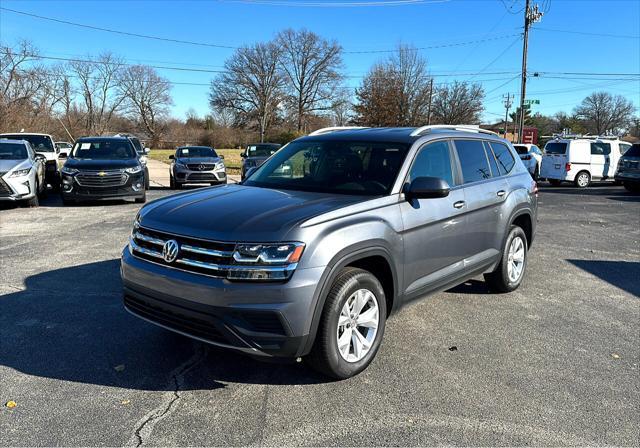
(621, 274)
(69, 324)
(471, 287)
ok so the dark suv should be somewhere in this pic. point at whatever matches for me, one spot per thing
(255, 155)
(309, 262)
(628, 172)
(103, 168)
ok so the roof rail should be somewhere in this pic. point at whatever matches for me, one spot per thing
(424, 129)
(335, 128)
(585, 136)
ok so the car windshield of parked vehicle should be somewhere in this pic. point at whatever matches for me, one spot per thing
(103, 149)
(360, 168)
(39, 143)
(521, 149)
(197, 151)
(634, 151)
(12, 151)
(261, 150)
(555, 148)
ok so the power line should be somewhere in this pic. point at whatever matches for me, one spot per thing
(584, 33)
(336, 4)
(431, 47)
(497, 57)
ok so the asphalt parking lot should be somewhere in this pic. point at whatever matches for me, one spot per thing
(554, 363)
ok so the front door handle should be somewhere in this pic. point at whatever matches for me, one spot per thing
(459, 204)
(501, 193)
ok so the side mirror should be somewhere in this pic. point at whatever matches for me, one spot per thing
(250, 171)
(172, 157)
(426, 188)
(62, 155)
(243, 155)
(221, 156)
(147, 150)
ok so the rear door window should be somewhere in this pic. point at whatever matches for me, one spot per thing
(600, 148)
(555, 148)
(503, 156)
(473, 160)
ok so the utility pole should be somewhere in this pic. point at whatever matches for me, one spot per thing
(531, 15)
(507, 105)
(430, 98)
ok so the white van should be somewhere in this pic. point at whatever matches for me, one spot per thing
(581, 159)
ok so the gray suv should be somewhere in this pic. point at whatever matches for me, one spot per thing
(309, 262)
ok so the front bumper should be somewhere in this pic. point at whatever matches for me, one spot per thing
(195, 177)
(17, 188)
(628, 176)
(73, 190)
(269, 320)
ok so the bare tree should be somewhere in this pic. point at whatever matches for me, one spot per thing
(251, 88)
(311, 67)
(147, 97)
(604, 112)
(395, 92)
(341, 110)
(458, 103)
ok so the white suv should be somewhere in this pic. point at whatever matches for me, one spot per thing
(21, 172)
(581, 159)
(531, 157)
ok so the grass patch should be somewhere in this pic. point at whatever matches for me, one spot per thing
(232, 159)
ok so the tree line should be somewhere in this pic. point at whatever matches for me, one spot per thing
(274, 90)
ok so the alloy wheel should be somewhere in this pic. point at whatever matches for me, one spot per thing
(358, 325)
(516, 258)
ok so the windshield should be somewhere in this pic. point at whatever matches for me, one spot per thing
(261, 150)
(13, 151)
(197, 151)
(521, 149)
(63, 145)
(555, 148)
(104, 149)
(39, 143)
(362, 168)
(634, 151)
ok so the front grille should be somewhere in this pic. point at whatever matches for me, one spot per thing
(103, 191)
(111, 178)
(201, 166)
(632, 164)
(202, 327)
(194, 255)
(5, 190)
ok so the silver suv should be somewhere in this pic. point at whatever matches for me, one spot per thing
(308, 262)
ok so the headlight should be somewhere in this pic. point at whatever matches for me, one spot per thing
(18, 173)
(220, 165)
(143, 160)
(182, 166)
(69, 171)
(133, 169)
(265, 261)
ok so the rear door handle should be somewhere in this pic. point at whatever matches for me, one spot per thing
(501, 193)
(459, 204)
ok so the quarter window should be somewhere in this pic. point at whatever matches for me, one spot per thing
(473, 160)
(503, 156)
(433, 160)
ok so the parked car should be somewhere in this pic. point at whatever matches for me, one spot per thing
(142, 152)
(531, 157)
(42, 144)
(628, 172)
(255, 155)
(310, 265)
(580, 159)
(63, 147)
(22, 172)
(196, 165)
(103, 168)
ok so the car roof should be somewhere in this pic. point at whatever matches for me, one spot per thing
(195, 146)
(24, 133)
(399, 134)
(13, 141)
(265, 143)
(115, 139)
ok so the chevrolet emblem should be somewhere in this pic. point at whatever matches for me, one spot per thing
(101, 173)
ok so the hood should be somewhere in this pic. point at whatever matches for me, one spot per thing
(100, 164)
(239, 213)
(9, 165)
(191, 160)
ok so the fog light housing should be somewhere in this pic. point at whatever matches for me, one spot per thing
(66, 186)
(137, 186)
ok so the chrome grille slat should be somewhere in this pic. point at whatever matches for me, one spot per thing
(110, 178)
(148, 239)
(203, 251)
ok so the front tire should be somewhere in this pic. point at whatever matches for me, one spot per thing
(510, 271)
(351, 325)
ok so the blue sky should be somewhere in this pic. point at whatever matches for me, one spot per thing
(554, 45)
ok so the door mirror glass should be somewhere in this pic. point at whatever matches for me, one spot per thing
(172, 157)
(147, 150)
(426, 188)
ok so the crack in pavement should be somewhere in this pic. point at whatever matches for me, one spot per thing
(145, 426)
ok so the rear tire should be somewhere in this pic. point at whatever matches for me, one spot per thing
(33, 202)
(356, 297)
(536, 173)
(582, 180)
(510, 271)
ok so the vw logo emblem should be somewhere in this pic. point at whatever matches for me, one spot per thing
(170, 251)
(202, 167)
